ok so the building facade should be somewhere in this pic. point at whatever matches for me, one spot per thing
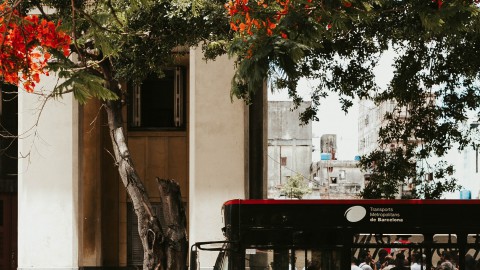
(466, 162)
(370, 119)
(337, 179)
(289, 145)
(73, 211)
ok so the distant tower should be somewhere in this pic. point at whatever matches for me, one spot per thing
(328, 144)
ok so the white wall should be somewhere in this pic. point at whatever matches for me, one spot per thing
(471, 173)
(47, 183)
(465, 172)
(217, 148)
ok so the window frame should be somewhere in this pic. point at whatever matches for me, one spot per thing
(179, 103)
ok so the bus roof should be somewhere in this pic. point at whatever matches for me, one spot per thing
(348, 202)
(268, 221)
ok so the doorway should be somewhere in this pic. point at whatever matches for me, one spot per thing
(8, 231)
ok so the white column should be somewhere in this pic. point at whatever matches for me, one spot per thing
(216, 149)
(47, 182)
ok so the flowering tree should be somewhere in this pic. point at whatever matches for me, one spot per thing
(25, 43)
(112, 41)
(337, 44)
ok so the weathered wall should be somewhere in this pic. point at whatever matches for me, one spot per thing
(287, 140)
(48, 183)
(100, 190)
(337, 179)
(217, 147)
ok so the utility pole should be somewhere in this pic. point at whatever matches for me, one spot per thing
(257, 144)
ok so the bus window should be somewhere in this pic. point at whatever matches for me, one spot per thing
(445, 256)
(445, 238)
(387, 238)
(472, 259)
(473, 239)
(288, 259)
(382, 247)
(475, 253)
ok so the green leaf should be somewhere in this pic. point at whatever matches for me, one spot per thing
(84, 86)
(367, 6)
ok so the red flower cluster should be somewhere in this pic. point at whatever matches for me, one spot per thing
(24, 42)
(243, 21)
(439, 3)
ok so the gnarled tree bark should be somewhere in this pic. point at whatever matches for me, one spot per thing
(173, 221)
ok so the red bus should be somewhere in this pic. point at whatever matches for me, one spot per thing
(331, 234)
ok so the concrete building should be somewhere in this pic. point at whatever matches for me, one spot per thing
(289, 145)
(470, 177)
(73, 212)
(337, 179)
(371, 118)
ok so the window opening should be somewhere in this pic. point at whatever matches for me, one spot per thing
(158, 102)
(283, 161)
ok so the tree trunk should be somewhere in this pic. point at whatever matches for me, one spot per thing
(174, 221)
(148, 224)
(164, 240)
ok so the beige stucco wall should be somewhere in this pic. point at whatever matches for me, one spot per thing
(217, 148)
(49, 234)
(47, 182)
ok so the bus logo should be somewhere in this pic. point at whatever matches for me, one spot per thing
(355, 213)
